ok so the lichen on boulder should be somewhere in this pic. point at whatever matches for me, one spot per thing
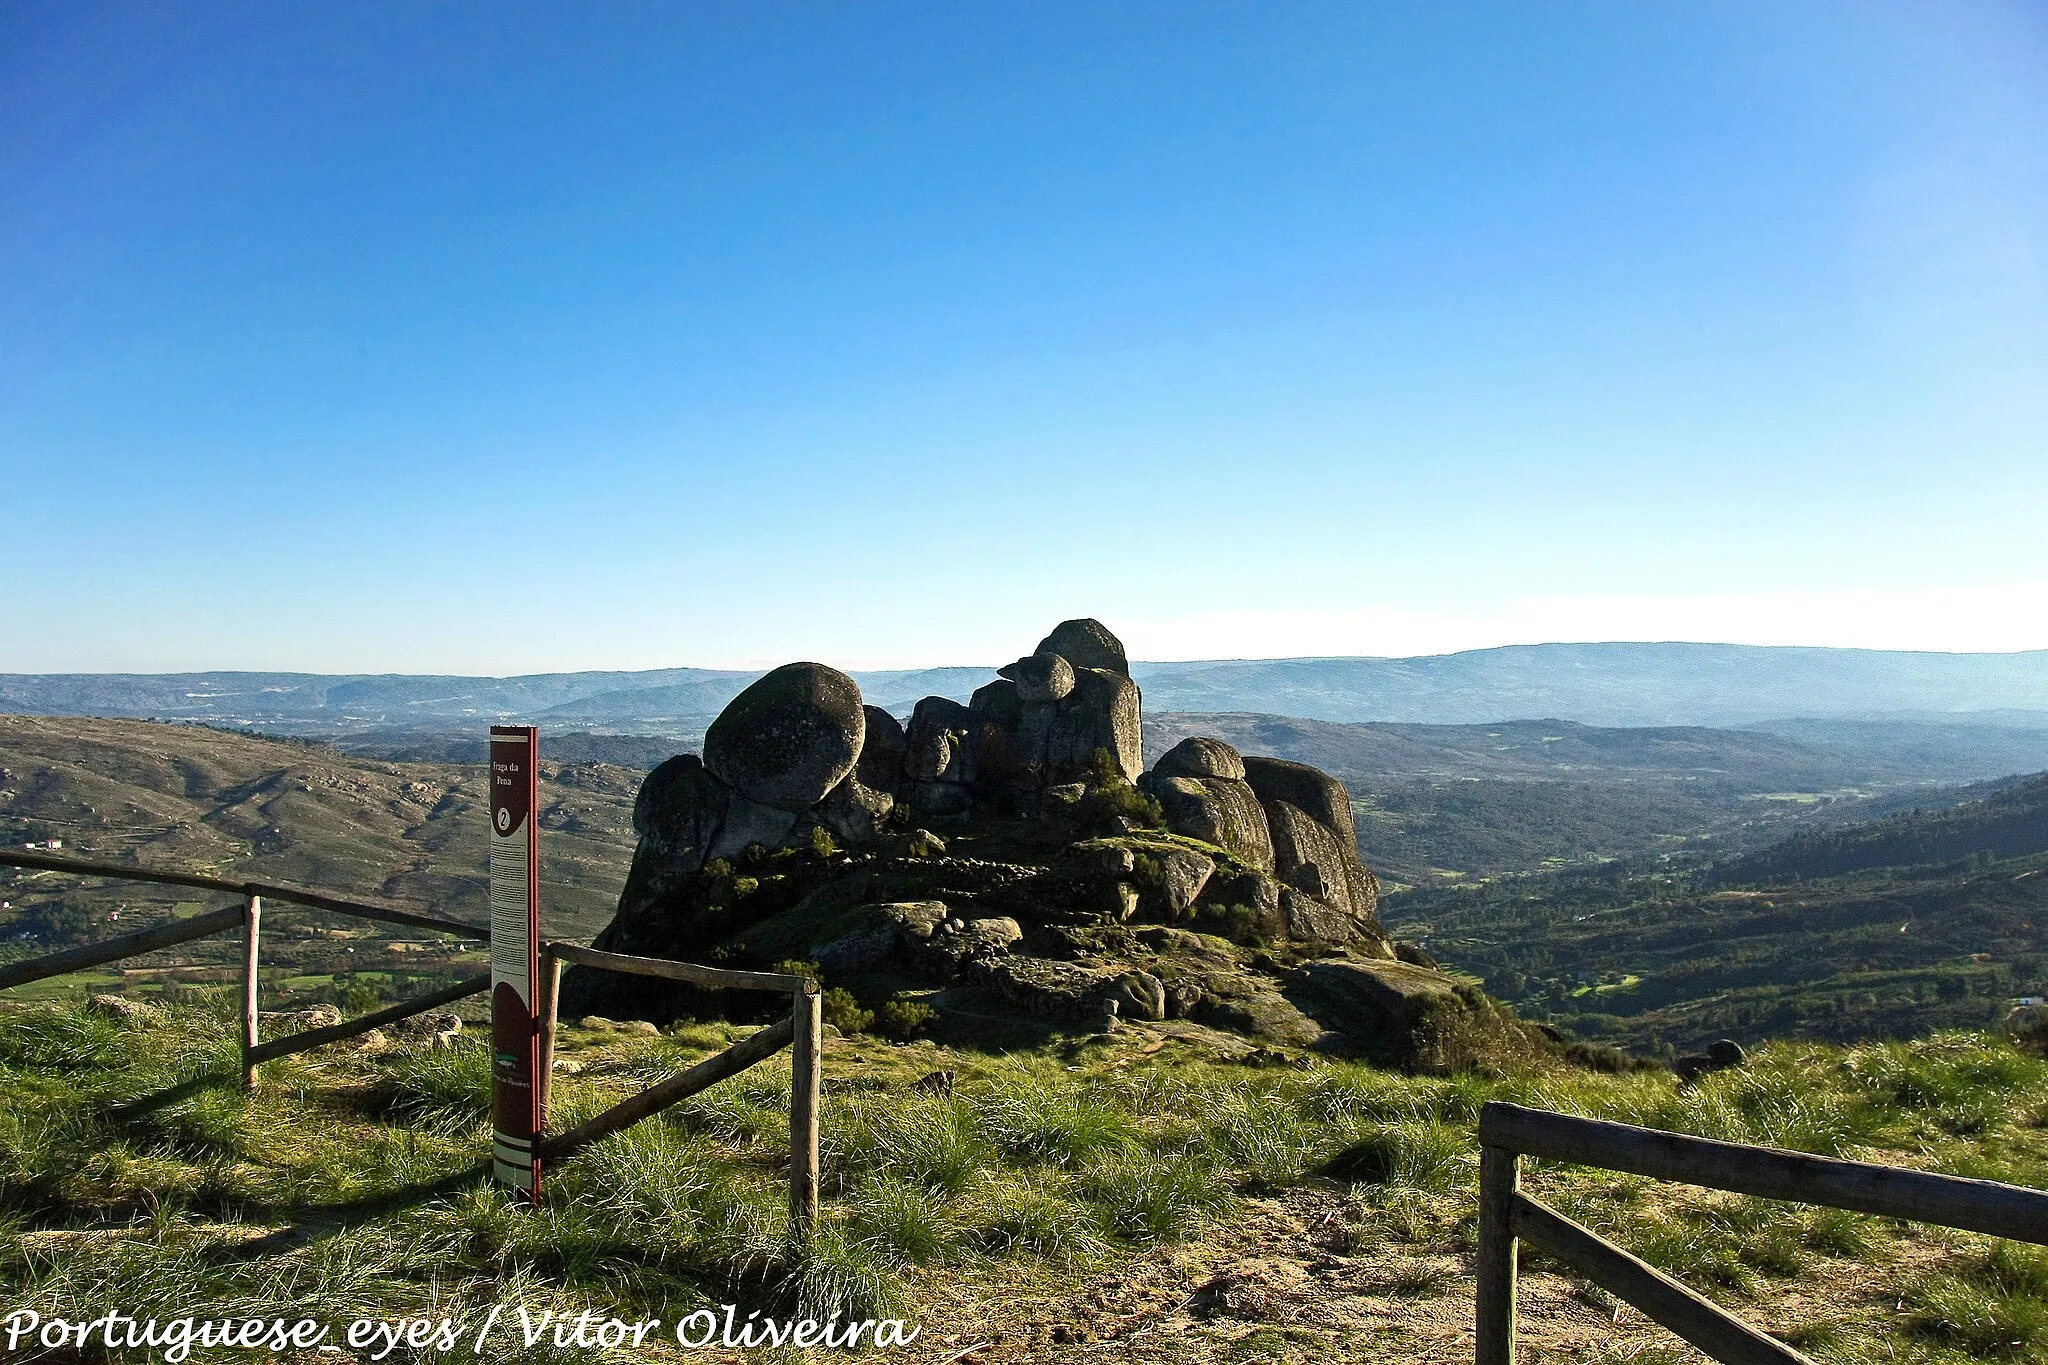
(789, 738)
(1215, 810)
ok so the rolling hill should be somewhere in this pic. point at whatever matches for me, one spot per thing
(241, 807)
(1438, 801)
(1932, 919)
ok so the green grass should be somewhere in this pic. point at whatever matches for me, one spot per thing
(132, 1167)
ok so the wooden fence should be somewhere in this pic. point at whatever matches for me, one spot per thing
(248, 916)
(802, 1032)
(1508, 1132)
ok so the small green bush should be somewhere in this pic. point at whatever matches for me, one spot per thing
(903, 1019)
(1111, 800)
(822, 843)
(1238, 923)
(843, 1012)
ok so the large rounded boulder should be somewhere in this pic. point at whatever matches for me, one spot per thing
(1309, 790)
(1199, 757)
(678, 813)
(1040, 677)
(790, 738)
(1086, 643)
(881, 752)
(1217, 811)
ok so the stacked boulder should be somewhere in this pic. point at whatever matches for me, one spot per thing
(1280, 818)
(1200, 785)
(1038, 725)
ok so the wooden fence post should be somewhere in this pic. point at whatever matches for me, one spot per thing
(252, 921)
(1494, 1323)
(805, 1065)
(550, 992)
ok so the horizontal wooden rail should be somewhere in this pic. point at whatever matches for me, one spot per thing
(713, 977)
(1889, 1191)
(709, 1072)
(1703, 1323)
(389, 914)
(350, 1028)
(127, 945)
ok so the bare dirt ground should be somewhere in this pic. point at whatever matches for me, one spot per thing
(1314, 1275)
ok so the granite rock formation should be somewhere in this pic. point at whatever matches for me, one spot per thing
(1223, 891)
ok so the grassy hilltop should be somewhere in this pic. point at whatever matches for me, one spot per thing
(1146, 1194)
(1126, 1197)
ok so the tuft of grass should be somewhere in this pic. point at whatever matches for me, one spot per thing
(927, 1141)
(908, 1221)
(1269, 1141)
(1037, 1214)
(1997, 1306)
(836, 1273)
(1033, 1118)
(1156, 1197)
(1423, 1154)
(1838, 1232)
(448, 1089)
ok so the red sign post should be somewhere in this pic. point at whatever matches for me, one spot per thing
(515, 955)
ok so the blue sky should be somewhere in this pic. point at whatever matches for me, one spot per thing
(505, 338)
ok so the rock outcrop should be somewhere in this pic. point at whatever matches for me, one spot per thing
(1308, 814)
(1217, 888)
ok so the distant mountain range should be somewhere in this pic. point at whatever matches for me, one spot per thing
(1594, 684)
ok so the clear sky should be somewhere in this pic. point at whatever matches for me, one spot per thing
(503, 337)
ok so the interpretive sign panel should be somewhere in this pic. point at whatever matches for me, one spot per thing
(515, 948)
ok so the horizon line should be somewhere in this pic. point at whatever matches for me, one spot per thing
(760, 667)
